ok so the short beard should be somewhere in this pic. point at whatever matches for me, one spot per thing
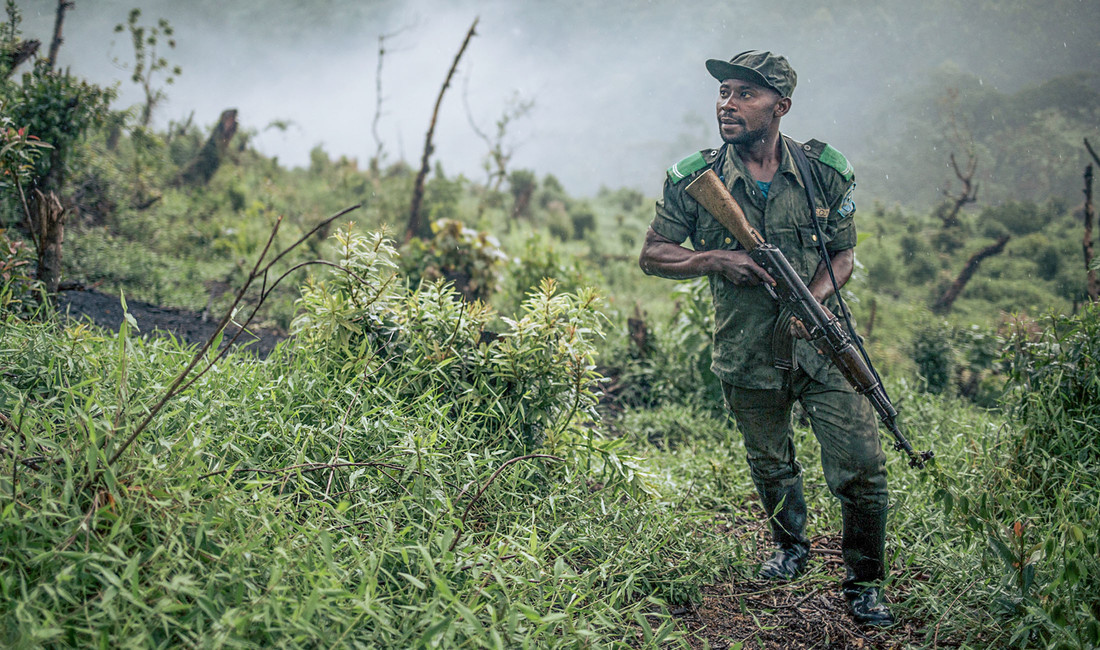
(746, 137)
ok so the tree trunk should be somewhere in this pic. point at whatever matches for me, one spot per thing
(871, 319)
(1092, 284)
(201, 169)
(414, 226)
(59, 20)
(943, 305)
(49, 231)
(21, 52)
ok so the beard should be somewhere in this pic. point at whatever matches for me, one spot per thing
(745, 137)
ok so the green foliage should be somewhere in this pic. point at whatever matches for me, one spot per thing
(469, 259)
(1024, 141)
(19, 154)
(359, 494)
(17, 285)
(935, 357)
(674, 366)
(59, 109)
(355, 304)
(1033, 490)
(148, 60)
(539, 258)
(539, 372)
(522, 183)
(952, 360)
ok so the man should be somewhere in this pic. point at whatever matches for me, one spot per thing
(764, 371)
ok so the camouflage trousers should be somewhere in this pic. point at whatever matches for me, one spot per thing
(843, 422)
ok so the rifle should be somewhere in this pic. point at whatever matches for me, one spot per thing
(825, 330)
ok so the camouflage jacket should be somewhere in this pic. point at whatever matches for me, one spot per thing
(745, 317)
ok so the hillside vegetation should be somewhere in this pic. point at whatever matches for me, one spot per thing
(500, 434)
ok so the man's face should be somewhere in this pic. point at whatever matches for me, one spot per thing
(746, 111)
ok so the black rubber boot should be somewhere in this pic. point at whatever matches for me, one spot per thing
(864, 550)
(786, 510)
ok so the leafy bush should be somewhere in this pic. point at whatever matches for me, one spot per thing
(540, 258)
(674, 366)
(362, 487)
(1034, 492)
(17, 287)
(463, 256)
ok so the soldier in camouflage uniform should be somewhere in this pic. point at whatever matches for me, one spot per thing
(762, 368)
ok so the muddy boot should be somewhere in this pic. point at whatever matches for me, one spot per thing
(864, 551)
(786, 510)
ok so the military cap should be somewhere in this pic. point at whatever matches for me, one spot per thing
(761, 68)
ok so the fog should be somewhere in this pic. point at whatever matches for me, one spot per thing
(619, 88)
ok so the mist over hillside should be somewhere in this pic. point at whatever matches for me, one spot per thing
(619, 88)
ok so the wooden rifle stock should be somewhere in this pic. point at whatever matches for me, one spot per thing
(825, 330)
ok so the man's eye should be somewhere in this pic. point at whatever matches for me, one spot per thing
(746, 94)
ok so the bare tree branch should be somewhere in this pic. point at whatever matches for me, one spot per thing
(55, 44)
(943, 304)
(413, 227)
(968, 194)
(1092, 152)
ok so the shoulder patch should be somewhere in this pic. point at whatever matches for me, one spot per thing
(687, 166)
(837, 161)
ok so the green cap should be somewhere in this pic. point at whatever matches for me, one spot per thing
(761, 68)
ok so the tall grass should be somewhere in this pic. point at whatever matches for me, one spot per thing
(413, 487)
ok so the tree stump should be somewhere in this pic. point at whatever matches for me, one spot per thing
(201, 169)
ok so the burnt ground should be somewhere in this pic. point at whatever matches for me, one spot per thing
(105, 311)
(808, 613)
(741, 613)
(801, 615)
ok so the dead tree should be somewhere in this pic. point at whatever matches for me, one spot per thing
(59, 20)
(1092, 283)
(944, 303)
(949, 210)
(376, 160)
(48, 231)
(639, 332)
(22, 51)
(871, 319)
(413, 228)
(201, 169)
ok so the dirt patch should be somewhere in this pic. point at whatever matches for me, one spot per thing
(807, 613)
(105, 311)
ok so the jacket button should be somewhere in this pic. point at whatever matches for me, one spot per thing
(727, 240)
(806, 147)
(813, 237)
(703, 242)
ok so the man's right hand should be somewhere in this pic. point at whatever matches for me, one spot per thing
(739, 268)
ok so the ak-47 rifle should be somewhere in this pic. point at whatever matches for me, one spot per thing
(825, 330)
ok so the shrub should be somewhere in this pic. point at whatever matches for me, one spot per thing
(17, 287)
(467, 258)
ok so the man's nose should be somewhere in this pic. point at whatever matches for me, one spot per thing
(728, 103)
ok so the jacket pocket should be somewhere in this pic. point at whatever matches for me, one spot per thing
(714, 237)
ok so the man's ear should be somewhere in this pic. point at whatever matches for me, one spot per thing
(782, 107)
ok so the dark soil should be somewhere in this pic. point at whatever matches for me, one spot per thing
(807, 613)
(106, 311)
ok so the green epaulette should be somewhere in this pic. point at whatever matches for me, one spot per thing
(831, 157)
(691, 164)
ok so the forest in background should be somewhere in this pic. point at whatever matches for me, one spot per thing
(487, 426)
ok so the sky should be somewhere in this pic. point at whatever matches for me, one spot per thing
(619, 88)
